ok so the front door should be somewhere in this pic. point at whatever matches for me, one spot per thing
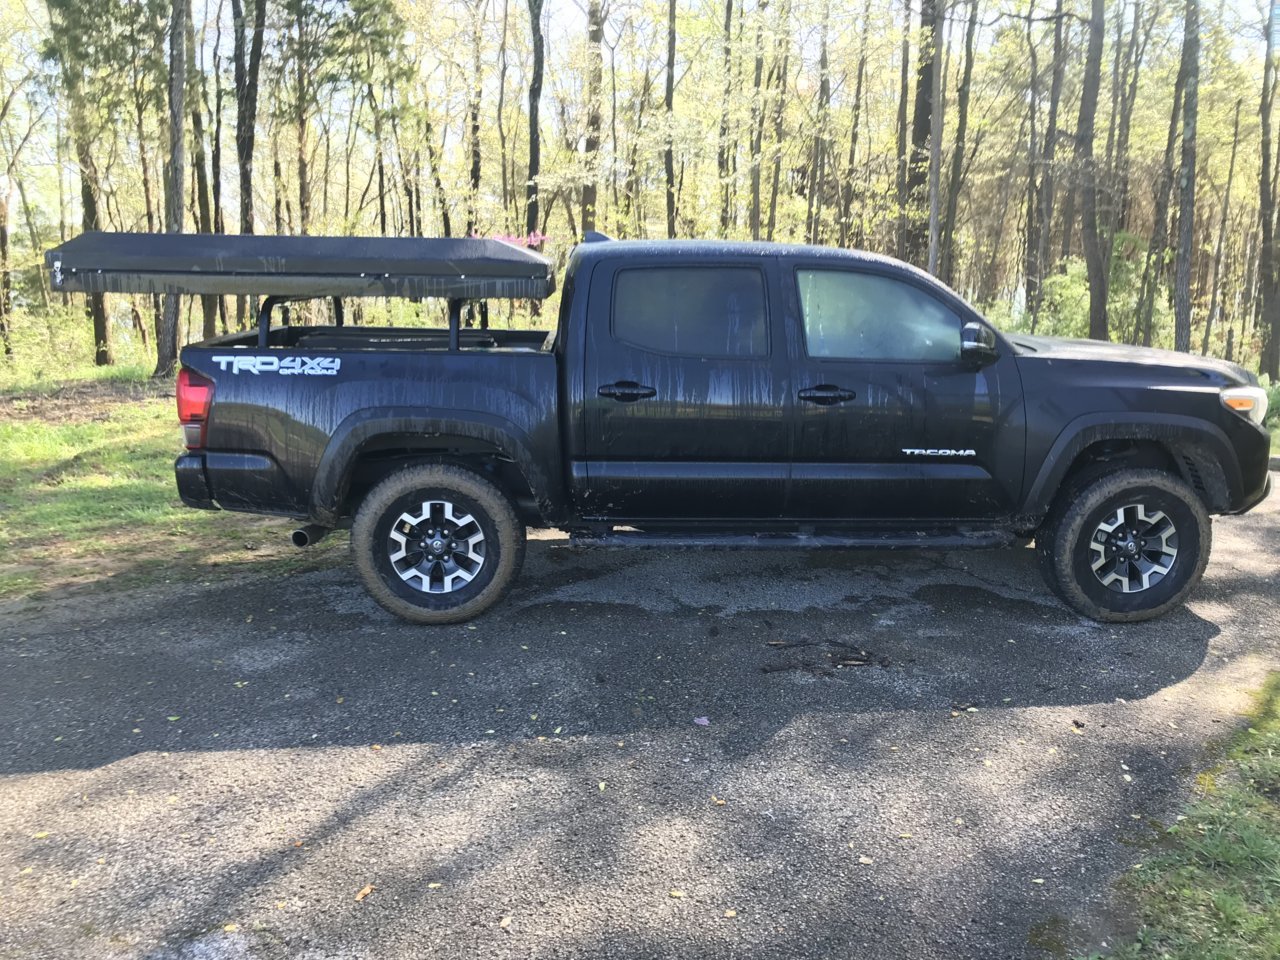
(686, 406)
(891, 423)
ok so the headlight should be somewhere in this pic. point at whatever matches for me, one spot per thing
(1249, 402)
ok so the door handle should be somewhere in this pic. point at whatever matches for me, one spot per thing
(627, 391)
(826, 394)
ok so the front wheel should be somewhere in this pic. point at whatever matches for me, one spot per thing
(437, 544)
(1125, 546)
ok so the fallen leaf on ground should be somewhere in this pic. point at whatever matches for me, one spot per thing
(731, 914)
(230, 927)
(42, 834)
(676, 894)
(602, 786)
(364, 892)
(904, 836)
(505, 923)
(717, 801)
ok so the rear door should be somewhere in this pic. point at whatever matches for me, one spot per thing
(686, 402)
(891, 423)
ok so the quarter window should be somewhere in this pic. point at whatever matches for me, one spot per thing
(695, 311)
(862, 316)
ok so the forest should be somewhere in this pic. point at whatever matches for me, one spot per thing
(1072, 167)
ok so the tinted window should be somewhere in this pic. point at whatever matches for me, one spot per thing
(865, 317)
(697, 311)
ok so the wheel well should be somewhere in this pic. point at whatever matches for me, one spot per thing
(1193, 464)
(387, 454)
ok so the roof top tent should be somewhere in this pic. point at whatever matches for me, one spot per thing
(284, 269)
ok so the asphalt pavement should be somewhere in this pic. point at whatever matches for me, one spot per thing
(663, 754)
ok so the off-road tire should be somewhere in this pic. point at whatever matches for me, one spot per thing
(504, 542)
(1063, 543)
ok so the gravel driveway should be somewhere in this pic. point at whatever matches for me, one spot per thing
(650, 754)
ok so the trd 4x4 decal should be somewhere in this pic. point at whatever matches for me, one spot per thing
(285, 366)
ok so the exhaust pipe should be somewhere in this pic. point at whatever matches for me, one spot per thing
(306, 536)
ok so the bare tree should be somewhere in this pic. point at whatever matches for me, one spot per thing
(947, 267)
(921, 125)
(591, 144)
(668, 102)
(535, 141)
(1095, 264)
(1215, 297)
(1190, 69)
(167, 341)
(1268, 279)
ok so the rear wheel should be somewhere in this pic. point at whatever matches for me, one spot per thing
(1125, 546)
(437, 544)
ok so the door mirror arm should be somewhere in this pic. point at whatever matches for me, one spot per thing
(978, 344)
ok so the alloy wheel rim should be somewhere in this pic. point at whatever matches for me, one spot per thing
(1133, 548)
(440, 548)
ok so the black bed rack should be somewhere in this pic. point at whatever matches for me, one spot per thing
(286, 269)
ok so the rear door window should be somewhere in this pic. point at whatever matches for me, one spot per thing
(692, 311)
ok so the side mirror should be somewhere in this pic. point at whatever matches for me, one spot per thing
(978, 344)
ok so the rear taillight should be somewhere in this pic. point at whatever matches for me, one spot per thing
(195, 395)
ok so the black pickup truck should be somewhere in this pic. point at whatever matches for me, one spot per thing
(692, 393)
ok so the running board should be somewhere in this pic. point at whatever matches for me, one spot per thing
(948, 539)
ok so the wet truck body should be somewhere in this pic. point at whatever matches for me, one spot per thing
(706, 393)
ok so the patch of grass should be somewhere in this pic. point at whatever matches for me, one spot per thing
(87, 495)
(1215, 893)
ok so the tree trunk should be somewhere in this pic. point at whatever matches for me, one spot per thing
(921, 124)
(855, 124)
(1159, 242)
(818, 153)
(1094, 261)
(167, 342)
(591, 145)
(904, 92)
(1045, 193)
(473, 116)
(1190, 68)
(947, 267)
(1268, 279)
(668, 103)
(783, 46)
(757, 122)
(1215, 296)
(935, 146)
(535, 142)
(247, 56)
(6, 284)
(199, 160)
(722, 139)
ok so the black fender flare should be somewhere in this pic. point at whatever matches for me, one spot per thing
(329, 486)
(1205, 443)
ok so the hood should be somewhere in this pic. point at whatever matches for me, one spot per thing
(1063, 348)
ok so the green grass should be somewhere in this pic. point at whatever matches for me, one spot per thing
(87, 498)
(1214, 893)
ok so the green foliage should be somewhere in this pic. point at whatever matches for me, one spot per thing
(1215, 895)
(87, 493)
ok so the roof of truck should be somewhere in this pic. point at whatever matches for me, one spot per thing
(203, 263)
(604, 248)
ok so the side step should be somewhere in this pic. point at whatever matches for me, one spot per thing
(945, 539)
